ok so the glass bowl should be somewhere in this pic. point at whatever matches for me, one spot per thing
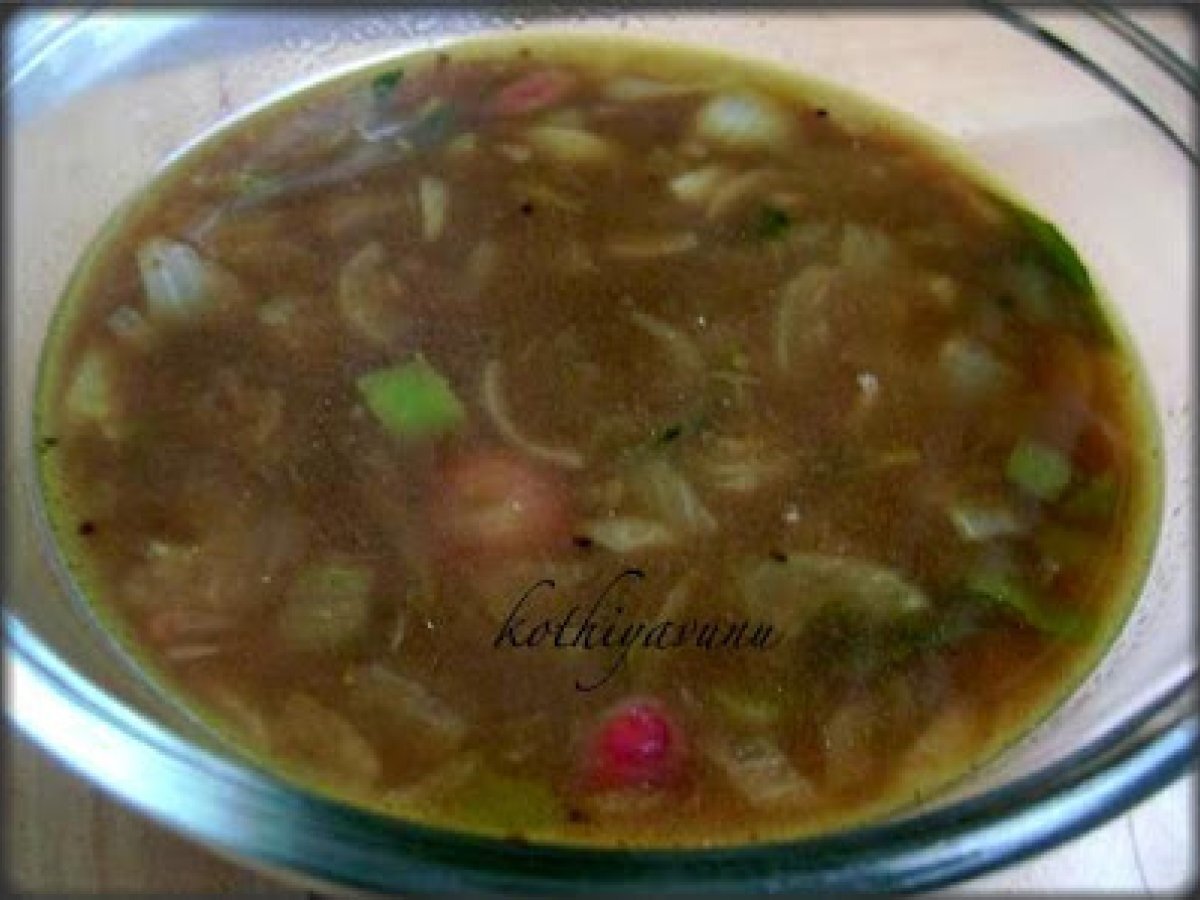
(1084, 114)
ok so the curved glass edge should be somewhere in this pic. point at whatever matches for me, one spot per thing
(35, 36)
(154, 772)
(1144, 44)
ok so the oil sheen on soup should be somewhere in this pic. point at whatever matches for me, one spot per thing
(594, 442)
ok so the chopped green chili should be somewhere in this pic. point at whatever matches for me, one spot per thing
(412, 400)
(1038, 469)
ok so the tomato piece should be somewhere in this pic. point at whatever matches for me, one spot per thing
(638, 744)
(492, 502)
(1099, 447)
(1063, 368)
(532, 92)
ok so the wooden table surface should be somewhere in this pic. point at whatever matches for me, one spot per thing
(62, 835)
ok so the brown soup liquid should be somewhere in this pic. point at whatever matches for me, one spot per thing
(597, 443)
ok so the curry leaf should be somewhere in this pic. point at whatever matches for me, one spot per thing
(773, 223)
(1049, 249)
(999, 589)
(384, 84)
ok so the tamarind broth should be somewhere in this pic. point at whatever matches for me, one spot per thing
(833, 438)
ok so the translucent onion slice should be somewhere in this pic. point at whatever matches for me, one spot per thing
(497, 409)
(744, 121)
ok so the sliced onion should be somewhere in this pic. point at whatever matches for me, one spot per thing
(318, 734)
(435, 201)
(184, 653)
(759, 771)
(740, 476)
(744, 121)
(950, 736)
(370, 297)
(571, 145)
(983, 522)
(624, 534)
(90, 396)
(865, 250)
(481, 266)
(128, 324)
(231, 704)
(649, 246)
(803, 309)
(326, 609)
(398, 631)
(739, 189)
(497, 409)
(173, 277)
(740, 465)
(865, 399)
(344, 168)
(792, 592)
(647, 668)
(632, 88)
(175, 625)
(680, 348)
(349, 214)
(971, 369)
(408, 705)
(697, 185)
(678, 598)
(443, 781)
(739, 384)
(668, 496)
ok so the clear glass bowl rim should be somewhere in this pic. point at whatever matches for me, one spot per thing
(334, 844)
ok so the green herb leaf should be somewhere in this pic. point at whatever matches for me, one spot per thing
(867, 649)
(996, 588)
(773, 223)
(435, 123)
(1054, 250)
(1051, 251)
(670, 433)
(384, 84)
